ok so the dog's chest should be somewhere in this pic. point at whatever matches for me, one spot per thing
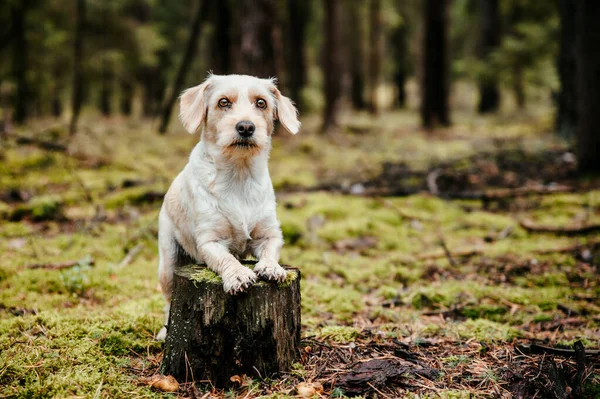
(243, 216)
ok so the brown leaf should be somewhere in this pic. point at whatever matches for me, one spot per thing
(309, 389)
(165, 383)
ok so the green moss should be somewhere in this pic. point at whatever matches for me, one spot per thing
(340, 334)
(202, 274)
(486, 331)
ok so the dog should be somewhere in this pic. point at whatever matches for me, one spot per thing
(221, 207)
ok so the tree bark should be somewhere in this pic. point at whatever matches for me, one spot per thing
(77, 95)
(435, 84)
(188, 57)
(221, 43)
(126, 103)
(588, 81)
(355, 30)
(213, 335)
(489, 95)
(257, 33)
(106, 88)
(20, 61)
(299, 14)
(332, 65)
(400, 47)
(375, 53)
(566, 118)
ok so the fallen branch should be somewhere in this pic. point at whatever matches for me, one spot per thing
(458, 253)
(131, 254)
(62, 265)
(535, 349)
(530, 226)
(42, 144)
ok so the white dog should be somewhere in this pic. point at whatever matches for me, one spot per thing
(221, 207)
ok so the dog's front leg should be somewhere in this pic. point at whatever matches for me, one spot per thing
(266, 250)
(236, 277)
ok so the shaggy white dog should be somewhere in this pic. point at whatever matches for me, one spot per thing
(221, 207)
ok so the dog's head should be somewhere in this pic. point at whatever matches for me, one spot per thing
(237, 112)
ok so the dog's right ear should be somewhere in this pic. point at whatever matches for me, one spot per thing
(193, 108)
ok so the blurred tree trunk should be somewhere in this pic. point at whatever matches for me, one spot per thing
(188, 57)
(106, 87)
(126, 103)
(399, 43)
(566, 118)
(515, 17)
(77, 96)
(355, 31)
(332, 64)
(375, 53)
(221, 16)
(298, 15)
(56, 104)
(435, 84)
(20, 61)
(489, 95)
(257, 37)
(588, 82)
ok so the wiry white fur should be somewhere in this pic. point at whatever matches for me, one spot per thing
(221, 207)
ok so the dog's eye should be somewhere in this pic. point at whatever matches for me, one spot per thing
(260, 103)
(223, 103)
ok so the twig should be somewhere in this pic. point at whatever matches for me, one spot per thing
(431, 181)
(131, 254)
(535, 349)
(59, 266)
(447, 251)
(529, 225)
(457, 253)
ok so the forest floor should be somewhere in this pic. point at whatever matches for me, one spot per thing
(457, 264)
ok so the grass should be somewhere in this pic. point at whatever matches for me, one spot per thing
(87, 331)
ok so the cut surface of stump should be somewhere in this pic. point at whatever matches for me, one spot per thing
(212, 335)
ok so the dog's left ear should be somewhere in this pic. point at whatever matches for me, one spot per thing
(193, 109)
(286, 112)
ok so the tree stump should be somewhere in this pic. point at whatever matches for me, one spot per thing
(213, 335)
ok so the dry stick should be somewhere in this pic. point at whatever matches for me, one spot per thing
(58, 266)
(131, 254)
(529, 225)
(457, 253)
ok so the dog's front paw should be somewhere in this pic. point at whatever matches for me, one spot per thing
(162, 334)
(239, 280)
(270, 271)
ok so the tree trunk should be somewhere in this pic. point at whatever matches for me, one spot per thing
(126, 103)
(56, 102)
(221, 42)
(435, 85)
(299, 15)
(188, 56)
(355, 30)
(332, 64)
(257, 21)
(375, 53)
(213, 335)
(20, 61)
(77, 96)
(566, 118)
(400, 47)
(489, 94)
(106, 89)
(588, 82)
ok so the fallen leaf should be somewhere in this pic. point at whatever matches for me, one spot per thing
(165, 383)
(309, 389)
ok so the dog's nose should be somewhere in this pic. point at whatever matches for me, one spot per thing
(245, 128)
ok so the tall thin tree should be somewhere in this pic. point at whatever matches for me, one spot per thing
(566, 117)
(188, 56)
(399, 44)
(355, 31)
(20, 60)
(77, 96)
(588, 82)
(299, 12)
(489, 94)
(332, 64)
(375, 53)
(435, 79)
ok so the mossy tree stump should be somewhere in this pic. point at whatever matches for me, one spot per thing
(213, 335)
